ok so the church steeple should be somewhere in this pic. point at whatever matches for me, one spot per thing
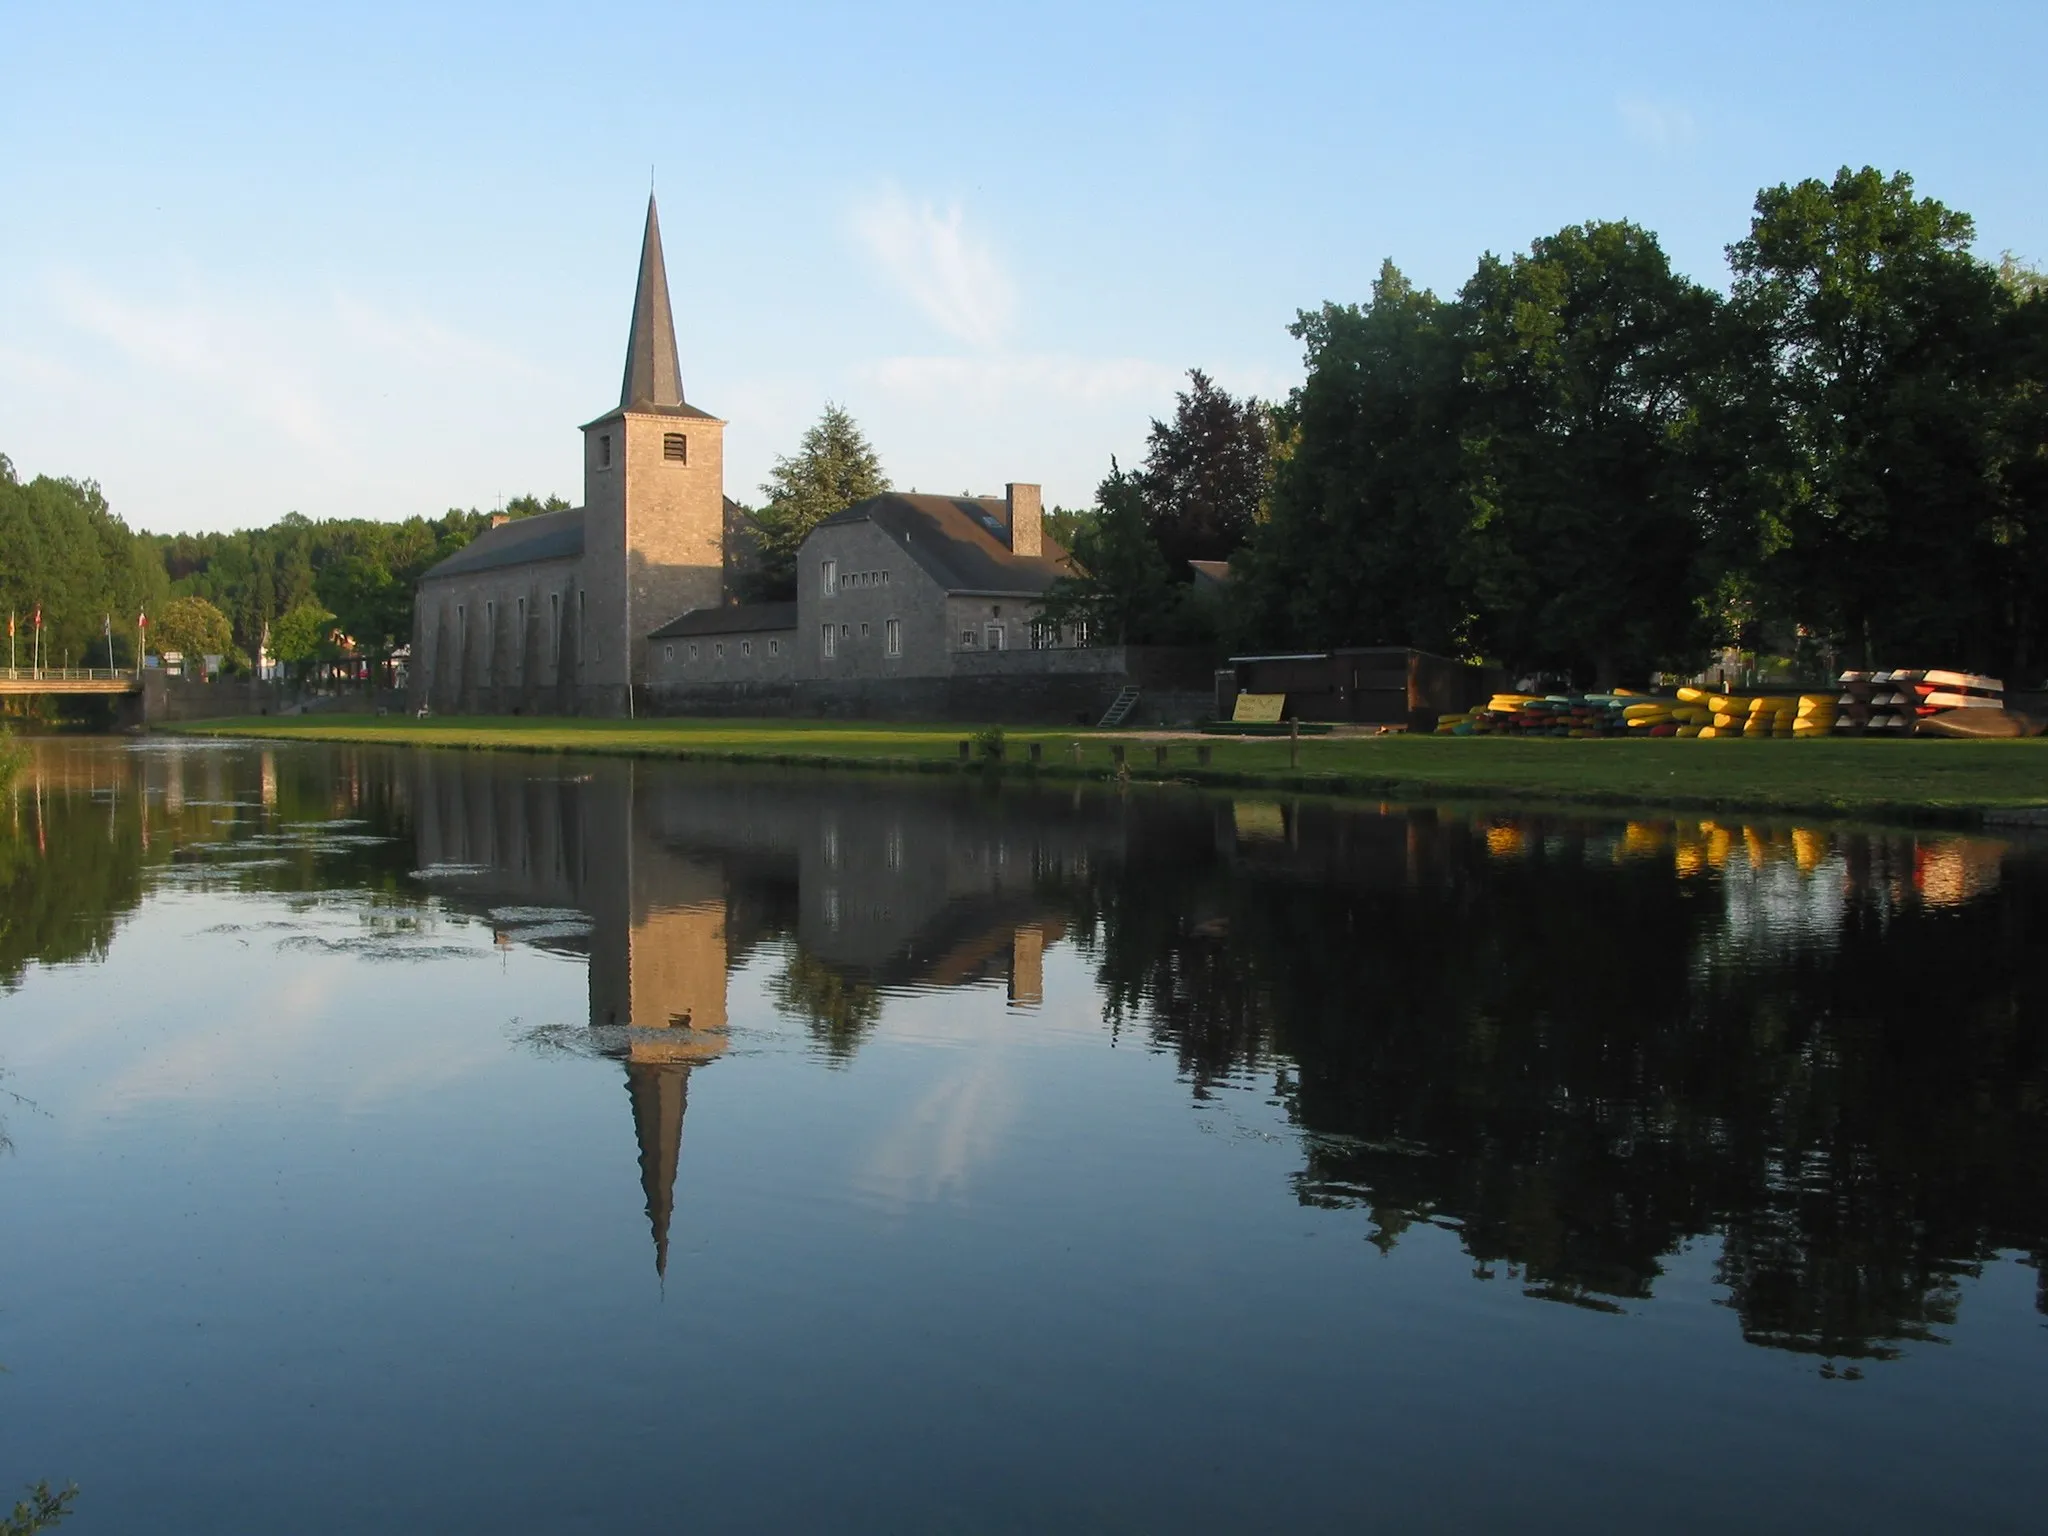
(660, 1092)
(654, 375)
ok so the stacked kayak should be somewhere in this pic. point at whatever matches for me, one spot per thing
(1901, 703)
(1911, 702)
(1576, 715)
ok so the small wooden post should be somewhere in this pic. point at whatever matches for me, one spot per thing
(966, 750)
(1294, 743)
(1077, 754)
(1037, 753)
(1202, 754)
(1159, 754)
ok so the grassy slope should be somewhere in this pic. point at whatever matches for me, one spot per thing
(1918, 779)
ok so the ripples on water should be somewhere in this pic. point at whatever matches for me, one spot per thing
(1055, 1157)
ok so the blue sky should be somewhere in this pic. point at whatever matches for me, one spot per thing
(380, 261)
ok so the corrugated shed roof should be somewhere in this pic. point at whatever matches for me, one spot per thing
(547, 536)
(961, 542)
(733, 619)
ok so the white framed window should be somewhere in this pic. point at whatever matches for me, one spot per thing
(892, 637)
(967, 639)
(992, 634)
(828, 573)
(831, 639)
(1044, 636)
(1080, 631)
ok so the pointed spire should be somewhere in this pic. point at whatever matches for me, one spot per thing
(659, 1094)
(654, 376)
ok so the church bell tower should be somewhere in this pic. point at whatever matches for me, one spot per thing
(653, 494)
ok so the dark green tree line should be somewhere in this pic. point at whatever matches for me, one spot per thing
(1585, 463)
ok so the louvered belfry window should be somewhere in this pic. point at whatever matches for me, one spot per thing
(675, 447)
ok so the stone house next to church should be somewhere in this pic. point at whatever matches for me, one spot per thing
(907, 605)
(897, 596)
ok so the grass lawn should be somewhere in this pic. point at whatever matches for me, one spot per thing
(1919, 780)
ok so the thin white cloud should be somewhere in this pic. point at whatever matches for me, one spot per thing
(194, 341)
(992, 380)
(1661, 125)
(929, 254)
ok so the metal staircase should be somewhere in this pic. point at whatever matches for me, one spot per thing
(1120, 711)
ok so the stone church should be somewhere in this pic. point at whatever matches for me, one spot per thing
(907, 605)
(550, 614)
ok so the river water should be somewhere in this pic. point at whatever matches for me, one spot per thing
(461, 1142)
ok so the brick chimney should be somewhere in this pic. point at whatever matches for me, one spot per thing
(500, 519)
(1027, 531)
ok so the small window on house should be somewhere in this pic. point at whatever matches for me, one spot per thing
(994, 636)
(693, 650)
(604, 450)
(846, 631)
(892, 638)
(774, 647)
(668, 653)
(746, 647)
(967, 638)
(718, 650)
(863, 631)
(675, 447)
(555, 628)
(1080, 632)
(831, 639)
(828, 571)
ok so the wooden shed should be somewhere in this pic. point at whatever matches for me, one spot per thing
(1366, 685)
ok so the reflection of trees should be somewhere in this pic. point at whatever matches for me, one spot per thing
(76, 855)
(69, 869)
(1543, 1051)
(837, 1008)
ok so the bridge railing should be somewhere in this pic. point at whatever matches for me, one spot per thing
(67, 674)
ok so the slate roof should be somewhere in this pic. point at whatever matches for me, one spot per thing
(546, 536)
(733, 619)
(961, 542)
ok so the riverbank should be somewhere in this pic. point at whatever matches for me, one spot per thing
(1952, 782)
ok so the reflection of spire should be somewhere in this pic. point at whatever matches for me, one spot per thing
(660, 1092)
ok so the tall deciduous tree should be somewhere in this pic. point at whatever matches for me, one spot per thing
(1361, 545)
(1876, 336)
(300, 633)
(834, 467)
(1205, 473)
(1587, 525)
(1119, 584)
(193, 627)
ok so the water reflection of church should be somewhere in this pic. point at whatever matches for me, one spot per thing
(666, 882)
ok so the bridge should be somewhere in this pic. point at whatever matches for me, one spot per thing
(20, 680)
